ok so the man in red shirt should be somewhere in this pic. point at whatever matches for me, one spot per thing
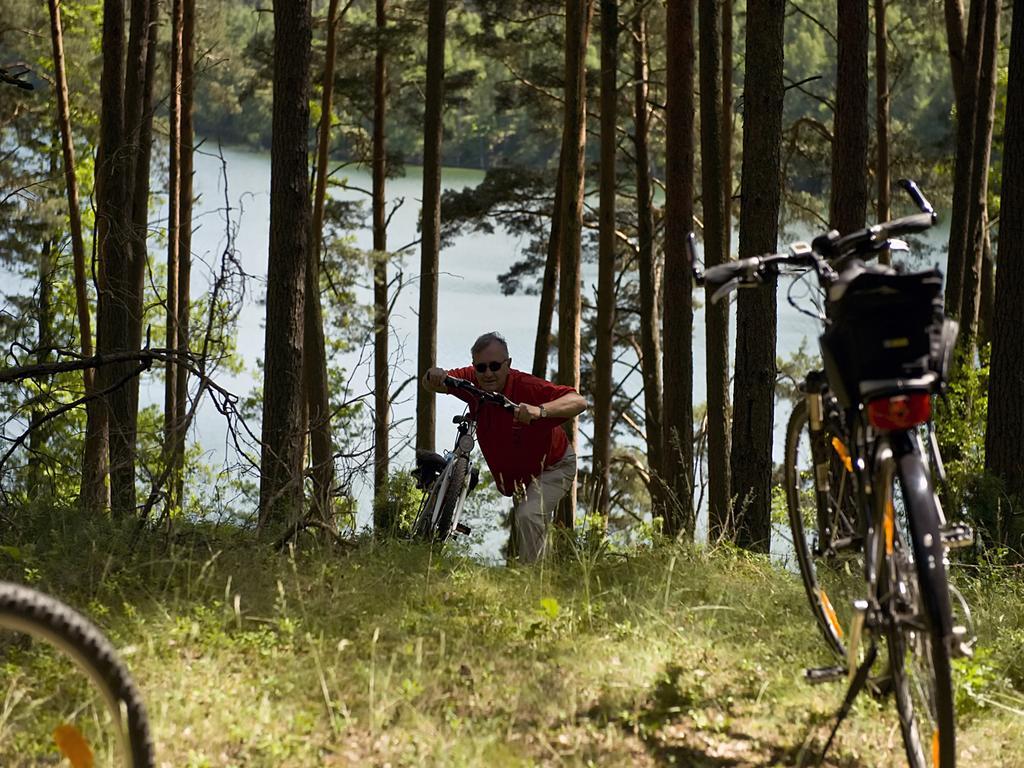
(527, 452)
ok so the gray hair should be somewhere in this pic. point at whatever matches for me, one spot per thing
(486, 340)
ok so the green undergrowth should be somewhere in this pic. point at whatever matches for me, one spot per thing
(396, 654)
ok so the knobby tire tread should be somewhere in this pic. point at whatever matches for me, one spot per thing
(75, 636)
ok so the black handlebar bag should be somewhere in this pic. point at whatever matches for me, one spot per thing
(882, 327)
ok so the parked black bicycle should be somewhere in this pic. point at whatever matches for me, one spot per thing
(84, 732)
(447, 480)
(861, 463)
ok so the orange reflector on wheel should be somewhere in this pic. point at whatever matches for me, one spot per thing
(935, 748)
(830, 613)
(900, 411)
(73, 746)
(889, 524)
(844, 455)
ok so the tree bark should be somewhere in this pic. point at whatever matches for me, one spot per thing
(282, 436)
(727, 126)
(717, 315)
(93, 491)
(959, 223)
(38, 435)
(849, 200)
(954, 13)
(577, 26)
(678, 321)
(318, 405)
(1003, 456)
(756, 313)
(882, 119)
(549, 284)
(984, 116)
(173, 241)
(382, 400)
(650, 325)
(606, 259)
(431, 243)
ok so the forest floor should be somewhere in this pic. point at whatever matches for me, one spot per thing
(393, 654)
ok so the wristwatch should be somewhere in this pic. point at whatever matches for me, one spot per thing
(543, 412)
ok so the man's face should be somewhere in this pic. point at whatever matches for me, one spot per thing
(490, 357)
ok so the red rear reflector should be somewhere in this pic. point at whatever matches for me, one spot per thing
(900, 411)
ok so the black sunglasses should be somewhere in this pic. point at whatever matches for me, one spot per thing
(494, 365)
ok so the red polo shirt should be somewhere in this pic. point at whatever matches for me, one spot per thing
(515, 452)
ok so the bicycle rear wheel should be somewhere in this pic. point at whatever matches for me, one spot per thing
(81, 726)
(831, 576)
(452, 494)
(920, 633)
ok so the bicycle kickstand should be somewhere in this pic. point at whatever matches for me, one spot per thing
(857, 684)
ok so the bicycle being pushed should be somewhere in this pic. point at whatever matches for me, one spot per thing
(447, 480)
(861, 463)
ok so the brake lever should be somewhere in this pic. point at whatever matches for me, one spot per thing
(725, 290)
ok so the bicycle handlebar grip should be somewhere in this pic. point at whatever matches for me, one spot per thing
(721, 274)
(917, 222)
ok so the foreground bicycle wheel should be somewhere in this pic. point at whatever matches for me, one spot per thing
(919, 657)
(833, 576)
(433, 523)
(97, 719)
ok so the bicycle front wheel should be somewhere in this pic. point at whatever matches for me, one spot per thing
(446, 519)
(920, 631)
(80, 729)
(830, 563)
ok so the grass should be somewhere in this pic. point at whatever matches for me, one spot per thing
(393, 654)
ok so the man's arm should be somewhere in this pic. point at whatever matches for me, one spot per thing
(567, 406)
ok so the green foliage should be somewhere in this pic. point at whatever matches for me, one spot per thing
(396, 503)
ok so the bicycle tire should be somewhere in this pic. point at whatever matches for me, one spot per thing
(919, 650)
(829, 581)
(27, 610)
(446, 518)
(423, 525)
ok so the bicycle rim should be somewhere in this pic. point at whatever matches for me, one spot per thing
(453, 493)
(918, 656)
(831, 581)
(108, 722)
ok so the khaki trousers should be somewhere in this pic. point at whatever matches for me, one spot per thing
(535, 506)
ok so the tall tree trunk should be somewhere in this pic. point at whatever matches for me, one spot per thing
(38, 435)
(282, 438)
(552, 265)
(849, 200)
(431, 242)
(959, 223)
(650, 325)
(577, 27)
(756, 312)
(187, 152)
(678, 322)
(717, 315)
(882, 118)
(382, 399)
(173, 241)
(314, 358)
(1003, 456)
(93, 493)
(984, 118)
(606, 258)
(954, 12)
(986, 310)
(727, 126)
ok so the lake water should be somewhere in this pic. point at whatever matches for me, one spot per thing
(470, 301)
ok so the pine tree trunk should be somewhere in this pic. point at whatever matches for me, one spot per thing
(93, 492)
(38, 434)
(173, 241)
(756, 312)
(984, 116)
(677, 367)
(849, 200)
(382, 400)
(882, 119)
(318, 405)
(954, 13)
(959, 223)
(717, 315)
(1003, 456)
(431, 242)
(577, 26)
(282, 437)
(727, 126)
(606, 259)
(650, 316)
(552, 265)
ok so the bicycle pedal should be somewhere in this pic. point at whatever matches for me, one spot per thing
(957, 536)
(463, 529)
(960, 645)
(818, 675)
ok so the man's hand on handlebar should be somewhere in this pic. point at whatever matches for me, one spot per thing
(526, 413)
(434, 378)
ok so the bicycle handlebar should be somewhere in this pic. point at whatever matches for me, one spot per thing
(830, 247)
(495, 398)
